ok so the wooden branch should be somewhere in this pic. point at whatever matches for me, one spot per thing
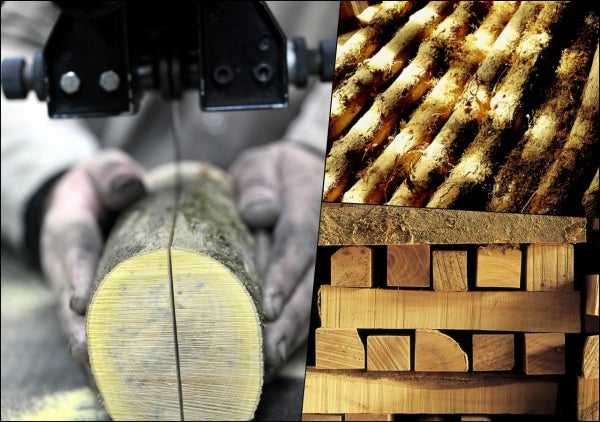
(217, 357)
(360, 224)
(408, 266)
(493, 352)
(438, 352)
(498, 266)
(550, 267)
(339, 348)
(388, 353)
(557, 312)
(544, 353)
(352, 266)
(449, 270)
(353, 391)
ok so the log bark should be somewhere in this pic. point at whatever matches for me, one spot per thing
(173, 324)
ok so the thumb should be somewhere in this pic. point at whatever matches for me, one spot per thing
(117, 178)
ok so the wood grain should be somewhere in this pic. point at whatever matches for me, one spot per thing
(388, 353)
(591, 294)
(498, 266)
(438, 352)
(408, 266)
(449, 270)
(339, 348)
(544, 353)
(590, 357)
(352, 266)
(493, 352)
(587, 399)
(550, 267)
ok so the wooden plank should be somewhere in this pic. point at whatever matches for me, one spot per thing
(550, 267)
(498, 266)
(438, 352)
(591, 294)
(544, 353)
(388, 353)
(321, 417)
(590, 357)
(449, 270)
(352, 266)
(474, 310)
(587, 399)
(408, 265)
(355, 391)
(493, 352)
(363, 224)
(368, 417)
(339, 349)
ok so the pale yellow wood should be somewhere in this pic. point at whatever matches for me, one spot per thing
(352, 266)
(449, 270)
(498, 266)
(550, 267)
(592, 292)
(339, 348)
(408, 266)
(368, 417)
(590, 357)
(321, 417)
(355, 391)
(587, 399)
(438, 352)
(493, 352)
(544, 353)
(388, 353)
(475, 310)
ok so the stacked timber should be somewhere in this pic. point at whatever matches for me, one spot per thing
(467, 105)
(460, 314)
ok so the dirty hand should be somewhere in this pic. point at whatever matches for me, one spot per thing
(80, 205)
(279, 190)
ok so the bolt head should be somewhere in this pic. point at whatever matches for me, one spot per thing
(69, 82)
(109, 81)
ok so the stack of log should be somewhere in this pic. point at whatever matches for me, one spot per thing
(467, 105)
(452, 314)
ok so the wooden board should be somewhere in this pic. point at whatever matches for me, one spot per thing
(388, 353)
(591, 294)
(438, 352)
(339, 348)
(550, 267)
(587, 399)
(408, 265)
(352, 266)
(361, 224)
(474, 310)
(493, 352)
(354, 391)
(544, 353)
(589, 366)
(498, 266)
(449, 270)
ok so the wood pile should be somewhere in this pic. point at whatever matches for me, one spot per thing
(488, 106)
(479, 317)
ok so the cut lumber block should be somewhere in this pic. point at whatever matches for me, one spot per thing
(355, 391)
(363, 224)
(587, 399)
(339, 348)
(518, 311)
(388, 353)
(368, 417)
(498, 266)
(476, 418)
(591, 294)
(544, 353)
(173, 324)
(493, 352)
(321, 417)
(408, 265)
(449, 270)
(590, 357)
(550, 267)
(438, 352)
(352, 266)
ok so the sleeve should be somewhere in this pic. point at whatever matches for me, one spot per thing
(34, 147)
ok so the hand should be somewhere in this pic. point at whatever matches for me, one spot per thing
(279, 189)
(79, 207)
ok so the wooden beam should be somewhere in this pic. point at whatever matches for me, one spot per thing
(590, 357)
(591, 294)
(321, 417)
(498, 266)
(438, 352)
(363, 224)
(544, 353)
(368, 417)
(449, 270)
(587, 399)
(388, 353)
(474, 310)
(352, 266)
(339, 348)
(355, 391)
(550, 267)
(493, 352)
(408, 266)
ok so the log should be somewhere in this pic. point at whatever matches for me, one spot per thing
(388, 353)
(544, 353)
(173, 323)
(352, 266)
(361, 224)
(339, 348)
(449, 270)
(438, 352)
(355, 391)
(493, 352)
(408, 266)
(498, 266)
(554, 312)
(550, 267)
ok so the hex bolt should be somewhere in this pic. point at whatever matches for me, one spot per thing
(223, 75)
(262, 73)
(69, 82)
(109, 81)
(264, 43)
